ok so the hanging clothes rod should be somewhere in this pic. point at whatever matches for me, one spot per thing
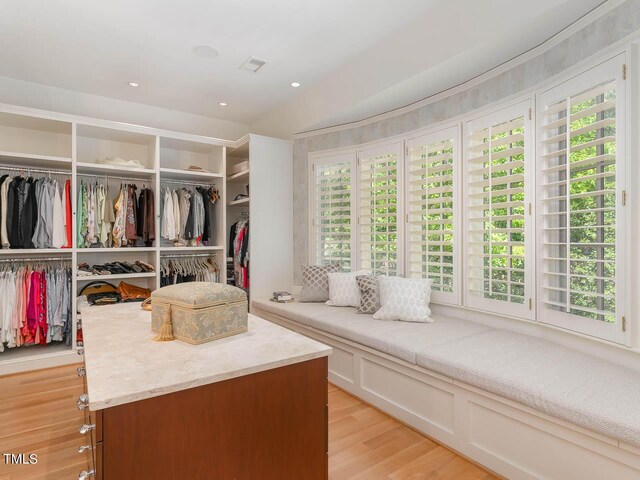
(30, 170)
(36, 259)
(180, 182)
(107, 177)
(186, 255)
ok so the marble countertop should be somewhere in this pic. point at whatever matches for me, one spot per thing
(125, 365)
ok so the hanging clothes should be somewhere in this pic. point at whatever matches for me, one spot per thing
(105, 222)
(167, 227)
(188, 269)
(4, 190)
(188, 215)
(131, 233)
(32, 212)
(68, 219)
(146, 228)
(239, 248)
(120, 213)
(36, 307)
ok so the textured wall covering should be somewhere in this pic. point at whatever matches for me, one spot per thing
(613, 26)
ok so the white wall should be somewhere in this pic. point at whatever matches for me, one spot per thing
(34, 95)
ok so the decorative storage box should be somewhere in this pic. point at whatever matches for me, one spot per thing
(200, 311)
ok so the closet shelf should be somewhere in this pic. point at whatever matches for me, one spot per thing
(203, 248)
(238, 176)
(100, 169)
(35, 161)
(117, 276)
(242, 201)
(116, 250)
(177, 174)
(35, 251)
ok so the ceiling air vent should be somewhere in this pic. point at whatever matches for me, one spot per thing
(252, 65)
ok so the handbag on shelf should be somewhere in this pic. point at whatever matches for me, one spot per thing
(100, 293)
(133, 293)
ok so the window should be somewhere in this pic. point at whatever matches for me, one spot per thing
(432, 206)
(379, 208)
(580, 180)
(332, 209)
(498, 222)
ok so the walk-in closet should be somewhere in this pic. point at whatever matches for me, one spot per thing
(311, 240)
(142, 206)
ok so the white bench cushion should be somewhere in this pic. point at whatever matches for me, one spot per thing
(573, 386)
(299, 312)
(399, 339)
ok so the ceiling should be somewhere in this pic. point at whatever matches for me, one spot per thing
(354, 58)
(98, 47)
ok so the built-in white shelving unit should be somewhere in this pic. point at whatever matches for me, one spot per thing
(74, 148)
(242, 201)
(263, 169)
(116, 276)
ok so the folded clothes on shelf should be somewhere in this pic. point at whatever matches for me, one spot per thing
(119, 162)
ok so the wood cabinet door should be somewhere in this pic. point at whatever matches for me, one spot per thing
(269, 425)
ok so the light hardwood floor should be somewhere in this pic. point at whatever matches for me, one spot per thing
(38, 415)
(366, 444)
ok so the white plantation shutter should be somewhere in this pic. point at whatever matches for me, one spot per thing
(333, 209)
(581, 176)
(380, 209)
(432, 207)
(498, 243)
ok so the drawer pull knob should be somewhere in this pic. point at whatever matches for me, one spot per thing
(84, 448)
(86, 428)
(85, 474)
(80, 351)
(82, 371)
(83, 401)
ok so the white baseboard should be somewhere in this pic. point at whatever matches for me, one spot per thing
(506, 437)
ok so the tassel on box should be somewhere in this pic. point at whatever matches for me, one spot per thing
(166, 330)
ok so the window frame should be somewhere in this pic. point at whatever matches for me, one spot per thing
(317, 160)
(381, 149)
(452, 132)
(608, 70)
(489, 118)
(625, 241)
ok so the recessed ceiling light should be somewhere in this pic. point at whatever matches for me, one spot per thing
(295, 84)
(205, 51)
(223, 104)
(134, 84)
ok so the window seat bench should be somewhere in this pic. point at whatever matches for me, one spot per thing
(522, 406)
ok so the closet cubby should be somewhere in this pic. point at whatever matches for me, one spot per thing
(177, 155)
(39, 141)
(187, 164)
(130, 255)
(115, 182)
(94, 144)
(238, 176)
(188, 258)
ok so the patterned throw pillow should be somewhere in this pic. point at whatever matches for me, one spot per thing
(405, 299)
(315, 287)
(344, 290)
(369, 293)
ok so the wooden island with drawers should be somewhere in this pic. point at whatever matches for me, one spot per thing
(249, 406)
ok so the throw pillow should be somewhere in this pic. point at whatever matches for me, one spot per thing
(344, 290)
(369, 293)
(315, 286)
(404, 299)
